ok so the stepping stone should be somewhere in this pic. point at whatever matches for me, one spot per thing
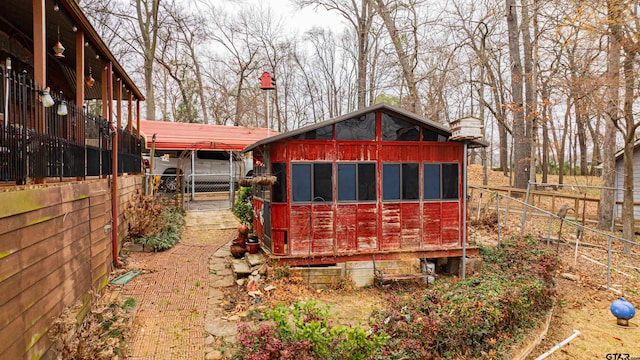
(255, 259)
(241, 268)
(223, 281)
(221, 328)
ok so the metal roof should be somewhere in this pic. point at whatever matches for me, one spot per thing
(437, 127)
(181, 136)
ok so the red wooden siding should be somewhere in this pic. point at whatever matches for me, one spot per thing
(450, 223)
(310, 151)
(300, 230)
(400, 153)
(357, 152)
(367, 228)
(431, 234)
(442, 152)
(390, 227)
(278, 152)
(346, 227)
(323, 233)
(279, 225)
(410, 225)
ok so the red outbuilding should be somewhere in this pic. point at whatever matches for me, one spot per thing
(379, 182)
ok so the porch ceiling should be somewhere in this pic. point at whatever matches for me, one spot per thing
(17, 21)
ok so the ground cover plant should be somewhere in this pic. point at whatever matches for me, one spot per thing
(483, 316)
(479, 317)
(304, 331)
(155, 222)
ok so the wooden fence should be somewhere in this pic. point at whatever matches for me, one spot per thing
(55, 247)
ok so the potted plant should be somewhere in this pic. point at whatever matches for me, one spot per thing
(243, 210)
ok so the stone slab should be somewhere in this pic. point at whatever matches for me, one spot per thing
(255, 259)
(221, 328)
(222, 281)
(240, 268)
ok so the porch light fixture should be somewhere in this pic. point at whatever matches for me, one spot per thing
(58, 49)
(62, 107)
(90, 80)
(45, 98)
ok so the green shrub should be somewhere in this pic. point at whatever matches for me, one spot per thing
(243, 208)
(479, 317)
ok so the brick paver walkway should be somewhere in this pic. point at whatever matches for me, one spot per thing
(172, 292)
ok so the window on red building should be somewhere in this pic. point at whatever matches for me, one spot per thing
(312, 182)
(356, 182)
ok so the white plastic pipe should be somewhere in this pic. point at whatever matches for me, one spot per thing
(559, 345)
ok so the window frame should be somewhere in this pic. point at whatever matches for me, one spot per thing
(400, 183)
(312, 181)
(442, 182)
(356, 189)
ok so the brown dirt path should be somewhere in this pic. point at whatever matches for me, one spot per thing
(172, 291)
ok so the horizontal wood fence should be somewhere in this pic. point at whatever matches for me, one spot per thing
(55, 247)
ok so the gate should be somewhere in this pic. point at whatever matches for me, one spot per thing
(200, 177)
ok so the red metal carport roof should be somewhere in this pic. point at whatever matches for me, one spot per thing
(180, 136)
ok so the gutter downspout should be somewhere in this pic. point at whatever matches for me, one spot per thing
(114, 169)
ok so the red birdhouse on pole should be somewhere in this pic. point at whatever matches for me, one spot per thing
(267, 82)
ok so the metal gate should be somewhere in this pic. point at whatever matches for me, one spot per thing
(203, 179)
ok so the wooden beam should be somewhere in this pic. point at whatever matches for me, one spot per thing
(39, 51)
(119, 102)
(331, 259)
(79, 69)
(138, 118)
(105, 95)
(129, 111)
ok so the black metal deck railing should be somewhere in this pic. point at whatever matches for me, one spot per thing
(37, 142)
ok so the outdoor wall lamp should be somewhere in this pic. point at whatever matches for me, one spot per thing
(45, 98)
(62, 108)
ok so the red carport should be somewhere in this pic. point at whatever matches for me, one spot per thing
(181, 136)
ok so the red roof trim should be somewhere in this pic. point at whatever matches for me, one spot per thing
(181, 136)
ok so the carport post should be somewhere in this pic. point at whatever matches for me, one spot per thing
(231, 191)
(193, 173)
(464, 210)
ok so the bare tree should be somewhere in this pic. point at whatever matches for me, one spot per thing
(522, 148)
(607, 194)
(408, 61)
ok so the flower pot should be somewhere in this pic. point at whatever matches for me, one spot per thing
(241, 240)
(253, 248)
(237, 251)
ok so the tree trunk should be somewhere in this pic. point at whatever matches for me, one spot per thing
(582, 136)
(565, 130)
(608, 196)
(522, 147)
(546, 117)
(628, 220)
(530, 90)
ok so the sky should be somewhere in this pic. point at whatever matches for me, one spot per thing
(304, 19)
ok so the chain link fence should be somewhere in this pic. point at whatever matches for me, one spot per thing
(600, 256)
